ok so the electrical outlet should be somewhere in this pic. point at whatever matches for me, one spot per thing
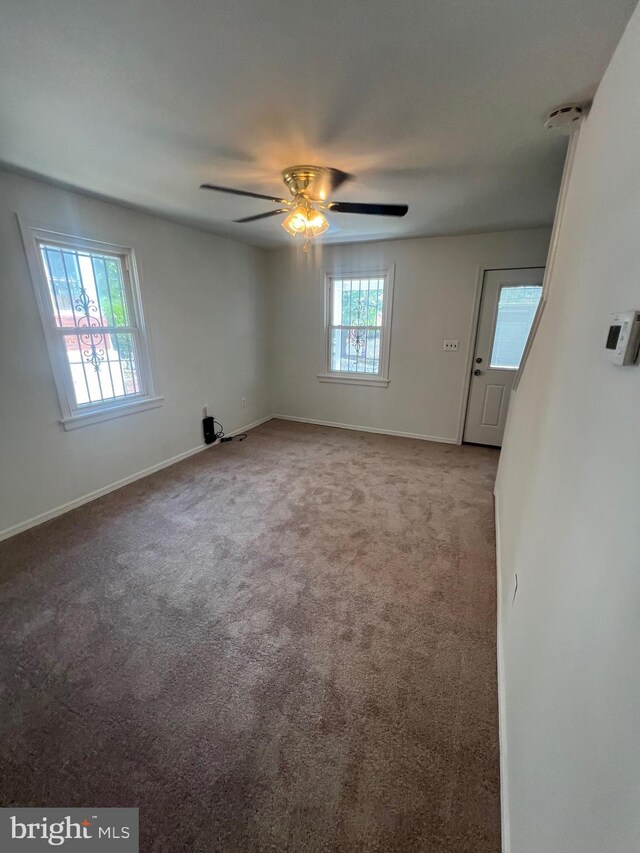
(451, 346)
(244, 402)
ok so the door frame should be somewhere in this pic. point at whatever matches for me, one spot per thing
(483, 269)
(549, 264)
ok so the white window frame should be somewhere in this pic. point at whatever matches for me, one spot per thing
(74, 416)
(376, 380)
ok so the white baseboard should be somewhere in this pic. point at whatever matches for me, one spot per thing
(60, 510)
(251, 425)
(502, 709)
(98, 493)
(438, 438)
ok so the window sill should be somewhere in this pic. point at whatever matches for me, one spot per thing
(108, 412)
(346, 379)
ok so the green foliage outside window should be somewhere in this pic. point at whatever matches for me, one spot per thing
(362, 307)
(112, 305)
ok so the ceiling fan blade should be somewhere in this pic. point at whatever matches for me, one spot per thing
(327, 183)
(338, 178)
(263, 215)
(243, 192)
(371, 209)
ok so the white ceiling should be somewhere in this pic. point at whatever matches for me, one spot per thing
(436, 103)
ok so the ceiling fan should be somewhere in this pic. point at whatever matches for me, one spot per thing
(310, 187)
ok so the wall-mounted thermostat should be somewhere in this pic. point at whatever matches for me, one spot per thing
(623, 337)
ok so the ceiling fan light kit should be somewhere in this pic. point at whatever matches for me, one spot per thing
(306, 220)
(310, 187)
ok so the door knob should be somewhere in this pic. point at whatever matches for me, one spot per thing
(478, 360)
(477, 373)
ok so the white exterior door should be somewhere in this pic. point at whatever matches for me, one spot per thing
(508, 305)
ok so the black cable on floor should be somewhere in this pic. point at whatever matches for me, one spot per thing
(220, 436)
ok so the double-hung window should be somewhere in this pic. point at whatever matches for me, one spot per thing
(358, 327)
(89, 301)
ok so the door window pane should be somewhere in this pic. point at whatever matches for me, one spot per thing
(516, 310)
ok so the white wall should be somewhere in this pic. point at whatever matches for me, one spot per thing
(569, 500)
(204, 299)
(435, 287)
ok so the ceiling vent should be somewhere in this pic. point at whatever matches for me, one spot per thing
(565, 119)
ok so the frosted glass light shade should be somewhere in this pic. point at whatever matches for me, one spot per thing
(305, 220)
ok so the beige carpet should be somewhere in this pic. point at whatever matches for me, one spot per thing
(285, 644)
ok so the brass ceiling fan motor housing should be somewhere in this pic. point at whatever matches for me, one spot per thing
(310, 182)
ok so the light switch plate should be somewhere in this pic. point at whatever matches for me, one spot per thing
(451, 346)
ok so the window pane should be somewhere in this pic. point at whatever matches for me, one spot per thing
(355, 305)
(103, 366)
(355, 350)
(107, 272)
(336, 304)
(375, 302)
(516, 310)
(356, 302)
(86, 289)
